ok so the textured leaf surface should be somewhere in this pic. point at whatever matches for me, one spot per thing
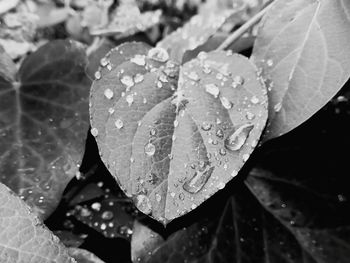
(171, 151)
(303, 51)
(84, 256)
(23, 238)
(44, 121)
(196, 32)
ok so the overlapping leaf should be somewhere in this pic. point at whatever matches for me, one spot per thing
(23, 238)
(44, 121)
(302, 49)
(169, 150)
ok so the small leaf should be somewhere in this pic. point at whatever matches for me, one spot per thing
(172, 151)
(303, 50)
(83, 256)
(44, 122)
(143, 242)
(23, 237)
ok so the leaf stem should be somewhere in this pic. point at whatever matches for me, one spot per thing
(244, 28)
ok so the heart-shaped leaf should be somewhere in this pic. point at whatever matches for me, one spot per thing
(23, 238)
(171, 151)
(43, 123)
(303, 50)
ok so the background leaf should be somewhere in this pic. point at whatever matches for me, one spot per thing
(44, 122)
(84, 256)
(23, 237)
(301, 49)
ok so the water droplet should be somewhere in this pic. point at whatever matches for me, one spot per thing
(219, 133)
(222, 152)
(221, 185)
(172, 194)
(108, 93)
(104, 62)
(269, 62)
(94, 132)
(127, 81)
(107, 215)
(143, 203)
(234, 173)
(341, 198)
(111, 110)
(226, 103)
(237, 81)
(193, 75)
(84, 212)
(96, 206)
(206, 126)
(237, 139)
(150, 149)
(159, 84)
(193, 206)
(119, 123)
(144, 100)
(138, 60)
(138, 78)
(129, 99)
(153, 132)
(158, 54)
(181, 196)
(202, 55)
(245, 157)
(277, 107)
(250, 116)
(158, 198)
(176, 123)
(103, 226)
(254, 100)
(97, 75)
(199, 179)
(212, 89)
(219, 76)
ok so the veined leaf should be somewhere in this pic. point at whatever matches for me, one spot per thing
(43, 123)
(169, 150)
(303, 50)
(23, 238)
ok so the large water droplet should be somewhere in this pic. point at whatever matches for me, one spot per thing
(127, 81)
(158, 54)
(108, 93)
(138, 60)
(94, 132)
(236, 140)
(96, 206)
(199, 179)
(226, 103)
(138, 78)
(206, 126)
(97, 75)
(150, 149)
(212, 89)
(143, 203)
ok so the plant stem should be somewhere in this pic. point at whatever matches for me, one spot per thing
(244, 28)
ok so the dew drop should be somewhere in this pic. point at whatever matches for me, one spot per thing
(159, 84)
(212, 89)
(104, 62)
(193, 76)
(176, 123)
(94, 132)
(277, 107)
(222, 152)
(245, 157)
(181, 196)
(119, 124)
(107, 215)
(206, 126)
(153, 132)
(158, 198)
(143, 203)
(221, 185)
(96, 206)
(150, 149)
(269, 62)
(158, 54)
(97, 75)
(127, 81)
(237, 81)
(250, 116)
(199, 179)
(254, 100)
(108, 94)
(129, 99)
(172, 194)
(103, 226)
(226, 103)
(84, 212)
(144, 100)
(236, 140)
(138, 60)
(111, 110)
(219, 133)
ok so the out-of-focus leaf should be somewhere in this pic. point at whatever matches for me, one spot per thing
(7, 67)
(302, 49)
(44, 121)
(196, 32)
(127, 20)
(23, 238)
(69, 239)
(108, 217)
(205, 131)
(6, 5)
(83, 256)
(143, 242)
(49, 14)
(88, 193)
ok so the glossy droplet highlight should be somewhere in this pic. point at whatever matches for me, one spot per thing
(236, 140)
(277, 107)
(107, 215)
(138, 60)
(150, 149)
(212, 89)
(226, 103)
(97, 75)
(143, 203)
(254, 100)
(206, 126)
(237, 81)
(199, 179)
(94, 132)
(138, 78)
(193, 76)
(108, 93)
(158, 54)
(119, 123)
(127, 81)
(129, 99)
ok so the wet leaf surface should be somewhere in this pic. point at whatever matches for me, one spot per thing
(44, 121)
(23, 237)
(219, 111)
(84, 256)
(301, 50)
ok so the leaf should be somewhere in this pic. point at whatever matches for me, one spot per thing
(195, 32)
(83, 256)
(205, 131)
(23, 238)
(69, 239)
(43, 124)
(144, 240)
(302, 50)
(7, 5)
